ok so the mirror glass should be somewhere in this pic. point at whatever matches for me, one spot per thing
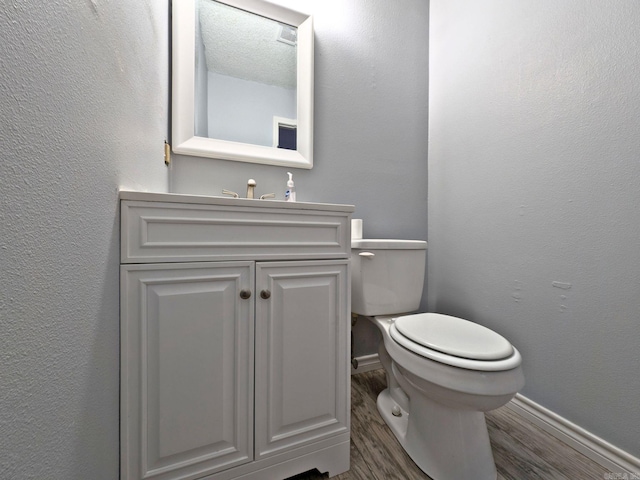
(245, 74)
(242, 82)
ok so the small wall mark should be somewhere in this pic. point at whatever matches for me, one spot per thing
(522, 210)
(517, 291)
(94, 7)
(563, 297)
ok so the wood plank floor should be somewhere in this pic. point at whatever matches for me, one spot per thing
(522, 451)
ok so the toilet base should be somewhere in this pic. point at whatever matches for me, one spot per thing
(446, 444)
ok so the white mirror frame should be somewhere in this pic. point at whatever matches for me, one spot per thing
(183, 90)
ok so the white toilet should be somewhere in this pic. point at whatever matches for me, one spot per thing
(443, 372)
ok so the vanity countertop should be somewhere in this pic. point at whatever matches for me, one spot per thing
(227, 201)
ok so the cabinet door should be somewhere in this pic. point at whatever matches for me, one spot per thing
(186, 369)
(302, 352)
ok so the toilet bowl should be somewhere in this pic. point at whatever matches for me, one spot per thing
(442, 372)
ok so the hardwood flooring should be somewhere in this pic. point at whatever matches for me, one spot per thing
(522, 451)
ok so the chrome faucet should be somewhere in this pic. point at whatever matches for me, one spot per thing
(251, 185)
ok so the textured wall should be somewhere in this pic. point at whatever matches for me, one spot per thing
(83, 103)
(533, 194)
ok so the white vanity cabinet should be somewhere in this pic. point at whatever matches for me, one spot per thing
(234, 337)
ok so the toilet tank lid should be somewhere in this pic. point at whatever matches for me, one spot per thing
(387, 244)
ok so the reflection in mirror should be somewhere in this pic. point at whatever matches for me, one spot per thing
(242, 82)
(245, 71)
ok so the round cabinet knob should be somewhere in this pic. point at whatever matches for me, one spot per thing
(265, 294)
(244, 294)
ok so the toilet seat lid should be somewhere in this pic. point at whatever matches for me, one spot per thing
(454, 336)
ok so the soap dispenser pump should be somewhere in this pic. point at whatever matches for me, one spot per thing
(290, 194)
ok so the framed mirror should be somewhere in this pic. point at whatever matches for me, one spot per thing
(242, 82)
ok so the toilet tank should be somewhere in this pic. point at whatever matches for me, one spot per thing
(387, 276)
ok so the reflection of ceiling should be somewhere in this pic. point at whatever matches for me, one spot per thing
(243, 45)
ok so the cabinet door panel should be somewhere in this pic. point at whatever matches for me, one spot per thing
(301, 353)
(188, 338)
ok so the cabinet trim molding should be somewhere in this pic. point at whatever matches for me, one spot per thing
(165, 232)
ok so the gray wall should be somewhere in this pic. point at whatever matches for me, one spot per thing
(84, 103)
(534, 178)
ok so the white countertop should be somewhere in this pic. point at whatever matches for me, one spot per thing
(228, 201)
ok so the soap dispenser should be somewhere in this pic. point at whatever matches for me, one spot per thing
(290, 194)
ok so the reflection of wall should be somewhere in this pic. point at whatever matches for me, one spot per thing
(201, 83)
(243, 111)
(533, 194)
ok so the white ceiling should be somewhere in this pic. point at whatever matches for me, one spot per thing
(243, 45)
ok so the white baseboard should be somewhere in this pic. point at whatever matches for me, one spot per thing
(591, 446)
(366, 363)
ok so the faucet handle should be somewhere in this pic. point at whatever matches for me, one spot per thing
(267, 195)
(229, 192)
